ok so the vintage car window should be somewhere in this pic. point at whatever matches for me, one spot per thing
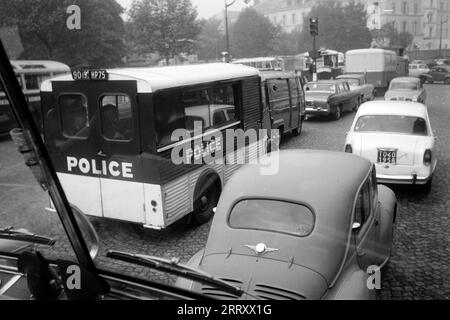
(74, 115)
(117, 117)
(272, 215)
(392, 124)
(321, 87)
(353, 81)
(404, 86)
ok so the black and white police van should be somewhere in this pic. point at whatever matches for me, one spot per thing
(109, 133)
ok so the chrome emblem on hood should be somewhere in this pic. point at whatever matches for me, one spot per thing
(261, 248)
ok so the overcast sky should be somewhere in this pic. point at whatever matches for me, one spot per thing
(205, 8)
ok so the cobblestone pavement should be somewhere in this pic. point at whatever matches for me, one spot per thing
(420, 263)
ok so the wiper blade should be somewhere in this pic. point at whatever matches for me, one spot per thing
(10, 233)
(173, 266)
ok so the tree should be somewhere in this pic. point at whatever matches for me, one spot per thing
(211, 40)
(167, 27)
(341, 27)
(253, 35)
(44, 34)
(286, 43)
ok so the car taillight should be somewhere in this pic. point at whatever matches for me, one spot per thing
(348, 148)
(427, 157)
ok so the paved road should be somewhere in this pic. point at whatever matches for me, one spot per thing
(420, 264)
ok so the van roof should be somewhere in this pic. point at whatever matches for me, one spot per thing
(370, 51)
(159, 78)
(40, 65)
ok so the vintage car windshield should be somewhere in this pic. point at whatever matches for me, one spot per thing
(321, 87)
(392, 124)
(272, 215)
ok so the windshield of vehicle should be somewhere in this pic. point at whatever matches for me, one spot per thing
(320, 87)
(403, 85)
(392, 124)
(272, 215)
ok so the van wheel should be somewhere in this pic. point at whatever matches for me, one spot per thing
(205, 203)
(337, 113)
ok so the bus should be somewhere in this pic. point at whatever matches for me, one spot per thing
(30, 74)
(379, 65)
(263, 63)
(110, 134)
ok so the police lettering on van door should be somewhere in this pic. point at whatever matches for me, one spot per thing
(105, 168)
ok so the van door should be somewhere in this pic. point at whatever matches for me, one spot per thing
(280, 103)
(121, 181)
(70, 128)
(295, 103)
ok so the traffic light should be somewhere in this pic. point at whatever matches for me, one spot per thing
(314, 26)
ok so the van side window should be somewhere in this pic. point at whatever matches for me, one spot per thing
(196, 109)
(74, 115)
(278, 92)
(117, 117)
(223, 108)
(169, 115)
(295, 92)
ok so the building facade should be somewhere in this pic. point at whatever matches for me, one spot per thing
(427, 20)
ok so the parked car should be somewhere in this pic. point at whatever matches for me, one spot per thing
(357, 83)
(443, 62)
(330, 98)
(398, 138)
(276, 236)
(421, 71)
(440, 74)
(406, 89)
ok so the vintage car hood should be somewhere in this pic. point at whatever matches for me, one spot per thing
(263, 278)
(410, 148)
(317, 96)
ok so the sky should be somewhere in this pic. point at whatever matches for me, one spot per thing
(205, 8)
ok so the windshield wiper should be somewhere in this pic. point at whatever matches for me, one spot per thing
(173, 266)
(10, 233)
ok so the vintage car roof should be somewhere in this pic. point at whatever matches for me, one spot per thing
(325, 81)
(325, 181)
(405, 79)
(384, 107)
(158, 78)
(351, 75)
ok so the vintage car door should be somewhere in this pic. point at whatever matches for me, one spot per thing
(346, 96)
(438, 74)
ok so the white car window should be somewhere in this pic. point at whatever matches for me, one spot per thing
(392, 124)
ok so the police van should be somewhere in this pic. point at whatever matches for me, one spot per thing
(110, 134)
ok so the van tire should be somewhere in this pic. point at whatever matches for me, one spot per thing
(206, 200)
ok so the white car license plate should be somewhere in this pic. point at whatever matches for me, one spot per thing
(387, 156)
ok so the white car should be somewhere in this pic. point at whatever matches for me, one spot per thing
(398, 138)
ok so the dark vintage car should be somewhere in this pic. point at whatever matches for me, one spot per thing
(330, 98)
(276, 237)
(440, 73)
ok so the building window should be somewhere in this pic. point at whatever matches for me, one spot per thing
(416, 8)
(294, 18)
(405, 26)
(404, 7)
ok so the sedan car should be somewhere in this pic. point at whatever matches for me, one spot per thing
(330, 98)
(357, 83)
(406, 89)
(421, 71)
(398, 138)
(440, 74)
(276, 237)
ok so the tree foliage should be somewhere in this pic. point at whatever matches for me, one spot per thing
(341, 27)
(168, 27)
(253, 35)
(211, 40)
(44, 34)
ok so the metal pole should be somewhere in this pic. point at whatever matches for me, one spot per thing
(314, 60)
(227, 36)
(440, 39)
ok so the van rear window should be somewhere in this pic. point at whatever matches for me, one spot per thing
(117, 117)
